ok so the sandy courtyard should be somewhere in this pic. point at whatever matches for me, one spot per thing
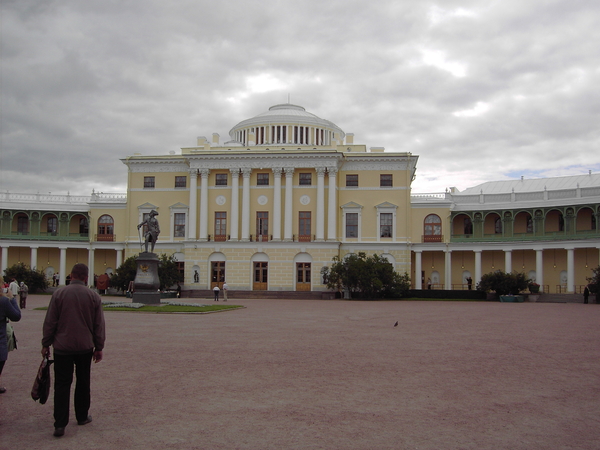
(283, 374)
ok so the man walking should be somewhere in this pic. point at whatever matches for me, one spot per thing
(13, 288)
(74, 326)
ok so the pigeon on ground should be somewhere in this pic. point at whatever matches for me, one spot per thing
(396, 324)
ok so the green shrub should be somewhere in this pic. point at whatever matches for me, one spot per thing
(34, 279)
(503, 283)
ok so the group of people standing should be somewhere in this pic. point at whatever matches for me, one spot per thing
(15, 289)
(74, 327)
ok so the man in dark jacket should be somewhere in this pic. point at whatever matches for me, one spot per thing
(74, 326)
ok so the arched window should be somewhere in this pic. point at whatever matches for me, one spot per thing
(432, 228)
(106, 226)
(498, 225)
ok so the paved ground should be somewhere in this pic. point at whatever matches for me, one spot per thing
(283, 374)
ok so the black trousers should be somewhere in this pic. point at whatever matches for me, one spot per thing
(63, 374)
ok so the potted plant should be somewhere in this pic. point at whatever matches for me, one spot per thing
(533, 287)
(507, 286)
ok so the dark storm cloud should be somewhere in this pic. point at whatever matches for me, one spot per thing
(480, 90)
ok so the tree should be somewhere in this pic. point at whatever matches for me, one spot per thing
(365, 277)
(503, 283)
(168, 272)
(124, 274)
(594, 281)
(34, 279)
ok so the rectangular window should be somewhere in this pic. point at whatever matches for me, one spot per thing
(52, 225)
(148, 182)
(352, 180)
(351, 225)
(304, 226)
(262, 179)
(305, 179)
(220, 226)
(385, 180)
(180, 182)
(179, 221)
(262, 226)
(386, 220)
(221, 179)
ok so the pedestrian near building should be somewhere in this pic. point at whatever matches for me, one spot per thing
(23, 291)
(74, 327)
(8, 310)
(586, 295)
(216, 292)
(225, 289)
(13, 288)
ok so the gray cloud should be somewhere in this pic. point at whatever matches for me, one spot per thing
(480, 90)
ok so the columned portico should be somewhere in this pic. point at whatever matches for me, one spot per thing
(34, 252)
(91, 266)
(477, 266)
(63, 265)
(570, 270)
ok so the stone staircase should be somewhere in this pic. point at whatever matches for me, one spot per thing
(564, 298)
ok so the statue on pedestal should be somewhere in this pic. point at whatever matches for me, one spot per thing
(153, 230)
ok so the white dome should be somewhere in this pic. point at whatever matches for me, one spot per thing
(287, 114)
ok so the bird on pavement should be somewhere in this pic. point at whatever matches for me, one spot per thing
(396, 324)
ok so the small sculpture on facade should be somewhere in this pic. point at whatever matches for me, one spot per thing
(152, 231)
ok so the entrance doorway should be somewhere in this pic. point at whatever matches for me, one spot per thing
(261, 276)
(217, 274)
(303, 276)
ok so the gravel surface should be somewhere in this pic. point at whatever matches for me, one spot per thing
(292, 374)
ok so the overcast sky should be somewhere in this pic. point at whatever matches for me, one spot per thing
(480, 90)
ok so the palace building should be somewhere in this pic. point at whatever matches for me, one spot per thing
(267, 209)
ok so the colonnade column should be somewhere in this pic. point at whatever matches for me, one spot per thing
(570, 270)
(448, 269)
(508, 261)
(34, 257)
(235, 201)
(477, 266)
(277, 205)
(320, 204)
(4, 259)
(119, 257)
(287, 220)
(418, 270)
(246, 204)
(539, 268)
(332, 205)
(193, 204)
(63, 265)
(204, 204)
(91, 267)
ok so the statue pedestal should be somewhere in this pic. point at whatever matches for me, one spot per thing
(146, 283)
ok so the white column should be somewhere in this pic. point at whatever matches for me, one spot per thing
(508, 261)
(234, 219)
(332, 205)
(246, 204)
(418, 270)
(204, 204)
(320, 204)
(570, 270)
(91, 267)
(477, 266)
(448, 269)
(33, 264)
(277, 205)
(4, 259)
(287, 220)
(539, 268)
(193, 204)
(63, 266)
(119, 258)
